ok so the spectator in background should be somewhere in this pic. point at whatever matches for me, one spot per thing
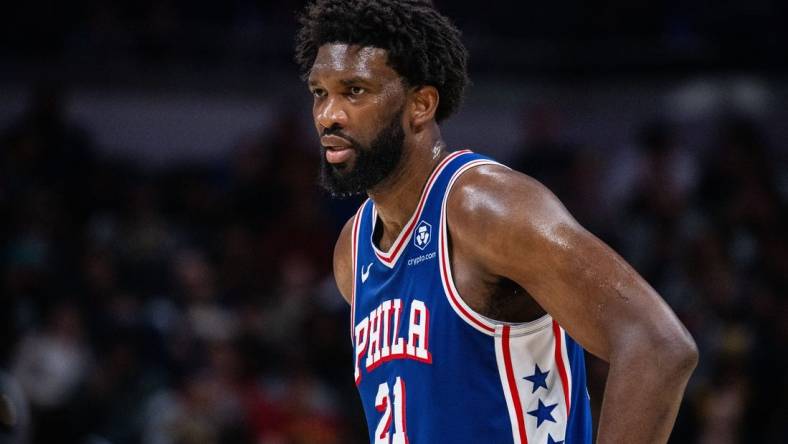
(51, 365)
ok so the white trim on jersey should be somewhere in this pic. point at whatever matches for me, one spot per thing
(566, 366)
(481, 323)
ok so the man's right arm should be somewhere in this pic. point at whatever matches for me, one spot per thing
(343, 261)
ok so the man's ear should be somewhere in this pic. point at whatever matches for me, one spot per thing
(424, 102)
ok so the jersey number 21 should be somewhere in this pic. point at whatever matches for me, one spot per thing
(384, 404)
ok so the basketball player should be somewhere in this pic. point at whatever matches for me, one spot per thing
(473, 292)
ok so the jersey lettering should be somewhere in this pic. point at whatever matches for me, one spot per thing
(385, 311)
(373, 354)
(382, 344)
(361, 345)
(417, 332)
(398, 349)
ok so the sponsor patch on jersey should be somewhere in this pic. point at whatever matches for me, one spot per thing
(424, 257)
(423, 235)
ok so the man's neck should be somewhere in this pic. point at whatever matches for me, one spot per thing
(397, 197)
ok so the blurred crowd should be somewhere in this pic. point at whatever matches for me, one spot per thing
(192, 305)
(196, 305)
(706, 226)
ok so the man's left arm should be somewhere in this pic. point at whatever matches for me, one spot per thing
(513, 227)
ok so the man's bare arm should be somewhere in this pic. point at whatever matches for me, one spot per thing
(513, 227)
(343, 261)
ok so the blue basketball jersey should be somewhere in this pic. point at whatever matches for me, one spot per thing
(431, 370)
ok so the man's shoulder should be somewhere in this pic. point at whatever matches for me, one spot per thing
(491, 190)
(495, 208)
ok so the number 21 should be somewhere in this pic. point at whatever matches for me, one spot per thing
(382, 404)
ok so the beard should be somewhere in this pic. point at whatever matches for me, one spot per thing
(372, 165)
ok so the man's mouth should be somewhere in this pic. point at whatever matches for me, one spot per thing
(338, 149)
(338, 154)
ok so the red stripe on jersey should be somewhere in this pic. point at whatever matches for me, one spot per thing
(559, 359)
(518, 408)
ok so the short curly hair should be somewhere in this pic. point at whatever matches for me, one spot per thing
(423, 46)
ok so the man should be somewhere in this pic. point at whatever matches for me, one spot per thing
(471, 288)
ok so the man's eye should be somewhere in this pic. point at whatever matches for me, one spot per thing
(318, 92)
(356, 90)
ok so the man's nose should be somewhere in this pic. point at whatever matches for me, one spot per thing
(332, 114)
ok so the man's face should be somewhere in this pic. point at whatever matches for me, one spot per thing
(358, 106)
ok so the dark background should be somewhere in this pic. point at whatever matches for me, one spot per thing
(165, 255)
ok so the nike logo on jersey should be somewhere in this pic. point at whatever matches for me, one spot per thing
(365, 274)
